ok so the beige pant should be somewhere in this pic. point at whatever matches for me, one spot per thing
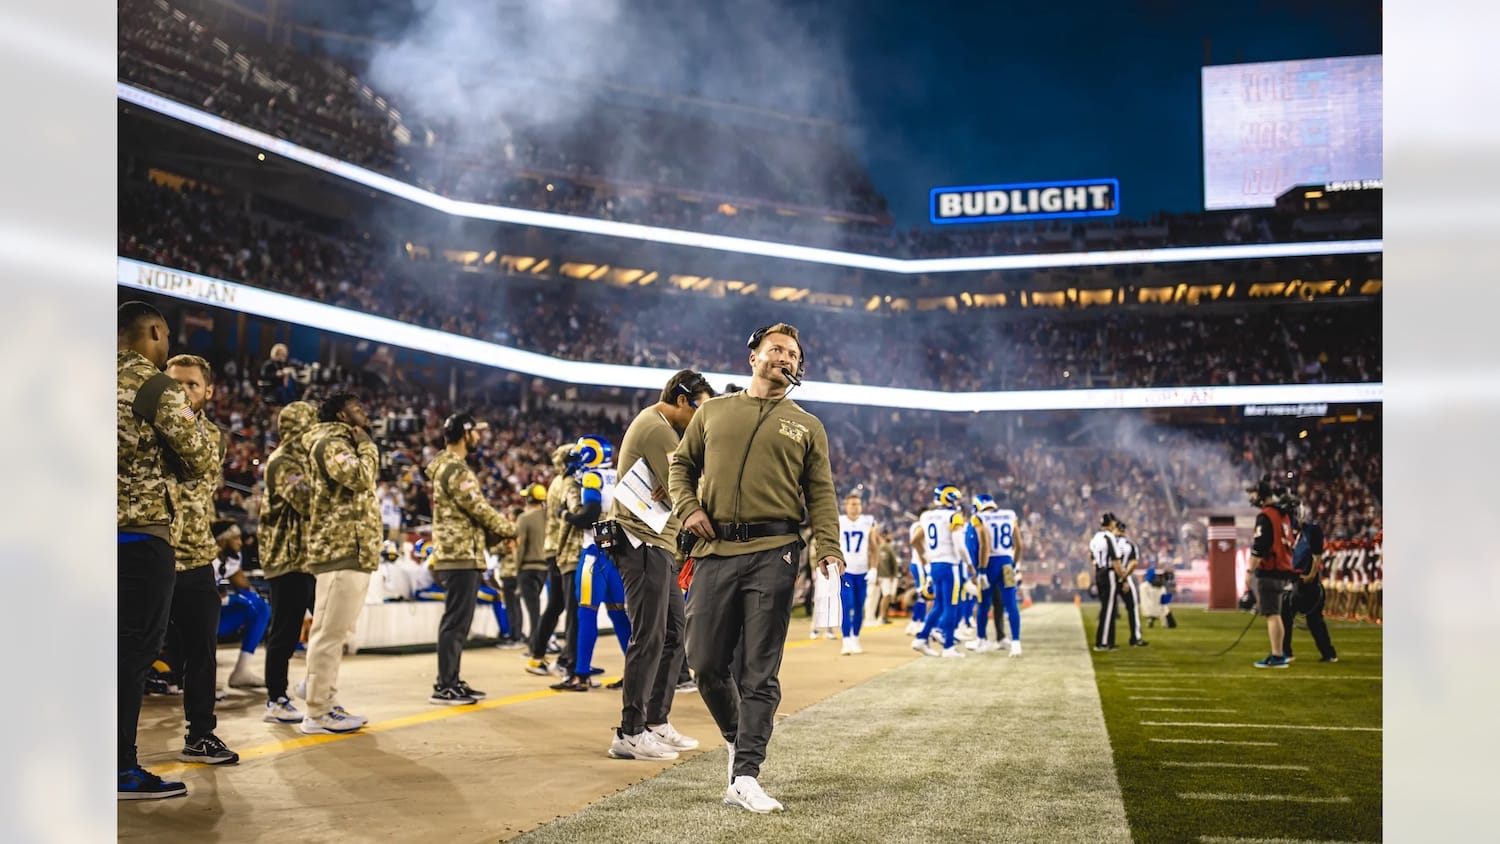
(340, 600)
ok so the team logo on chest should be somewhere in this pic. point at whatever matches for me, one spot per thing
(793, 431)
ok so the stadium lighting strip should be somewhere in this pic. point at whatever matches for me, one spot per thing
(204, 290)
(724, 243)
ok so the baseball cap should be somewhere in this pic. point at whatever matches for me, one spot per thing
(459, 424)
(536, 492)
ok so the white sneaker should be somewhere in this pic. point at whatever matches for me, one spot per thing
(846, 648)
(854, 647)
(1015, 647)
(828, 634)
(813, 634)
(746, 793)
(246, 680)
(963, 633)
(357, 719)
(329, 722)
(953, 653)
(913, 628)
(281, 711)
(922, 647)
(642, 745)
(975, 644)
(667, 735)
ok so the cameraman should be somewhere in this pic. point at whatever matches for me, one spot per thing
(1307, 597)
(1271, 565)
(653, 599)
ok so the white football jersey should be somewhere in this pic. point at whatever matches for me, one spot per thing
(938, 527)
(854, 541)
(916, 531)
(1001, 526)
(603, 480)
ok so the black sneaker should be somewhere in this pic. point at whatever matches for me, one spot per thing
(1329, 659)
(618, 684)
(207, 749)
(471, 691)
(450, 696)
(572, 684)
(1139, 643)
(140, 784)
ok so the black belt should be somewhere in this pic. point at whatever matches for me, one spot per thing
(741, 532)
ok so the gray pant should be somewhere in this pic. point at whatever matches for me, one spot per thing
(654, 603)
(747, 597)
(461, 588)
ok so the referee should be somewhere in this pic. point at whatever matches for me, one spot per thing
(1108, 575)
(739, 479)
(653, 599)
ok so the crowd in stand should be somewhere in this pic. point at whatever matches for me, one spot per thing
(195, 230)
(1057, 474)
(655, 167)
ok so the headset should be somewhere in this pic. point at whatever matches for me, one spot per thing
(754, 342)
(691, 386)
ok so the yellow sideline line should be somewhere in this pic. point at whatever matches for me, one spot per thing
(397, 723)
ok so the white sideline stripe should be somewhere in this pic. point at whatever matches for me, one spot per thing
(1260, 726)
(1169, 697)
(723, 243)
(1180, 709)
(1217, 741)
(1249, 765)
(1221, 839)
(1261, 798)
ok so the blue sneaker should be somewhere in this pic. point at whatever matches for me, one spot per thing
(1273, 661)
(140, 784)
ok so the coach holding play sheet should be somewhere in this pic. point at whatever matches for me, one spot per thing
(739, 479)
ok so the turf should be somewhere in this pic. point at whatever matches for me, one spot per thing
(982, 749)
(1176, 789)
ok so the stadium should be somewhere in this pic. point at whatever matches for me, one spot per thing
(445, 212)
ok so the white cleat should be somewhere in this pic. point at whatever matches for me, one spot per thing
(922, 647)
(976, 644)
(963, 633)
(746, 793)
(846, 648)
(854, 646)
(913, 628)
(953, 653)
(1015, 647)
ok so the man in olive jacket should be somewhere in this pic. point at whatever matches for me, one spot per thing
(463, 526)
(739, 479)
(283, 554)
(343, 547)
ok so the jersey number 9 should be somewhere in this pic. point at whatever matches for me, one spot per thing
(932, 537)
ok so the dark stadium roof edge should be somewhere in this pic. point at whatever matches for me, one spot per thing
(610, 228)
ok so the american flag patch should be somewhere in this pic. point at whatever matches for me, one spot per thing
(187, 413)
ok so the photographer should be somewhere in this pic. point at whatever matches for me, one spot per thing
(653, 599)
(1271, 565)
(1307, 597)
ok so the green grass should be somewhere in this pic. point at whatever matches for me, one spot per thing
(1181, 664)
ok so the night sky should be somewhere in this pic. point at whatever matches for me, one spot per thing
(964, 93)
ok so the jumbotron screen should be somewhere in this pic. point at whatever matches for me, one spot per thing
(1271, 126)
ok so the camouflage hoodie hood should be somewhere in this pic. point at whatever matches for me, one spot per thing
(560, 457)
(295, 420)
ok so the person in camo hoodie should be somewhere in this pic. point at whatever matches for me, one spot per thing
(283, 557)
(343, 547)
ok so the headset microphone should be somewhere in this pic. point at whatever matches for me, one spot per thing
(791, 377)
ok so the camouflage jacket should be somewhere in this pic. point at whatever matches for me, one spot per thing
(557, 498)
(283, 523)
(463, 523)
(570, 539)
(149, 451)
(192, 525)
(343, 529)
